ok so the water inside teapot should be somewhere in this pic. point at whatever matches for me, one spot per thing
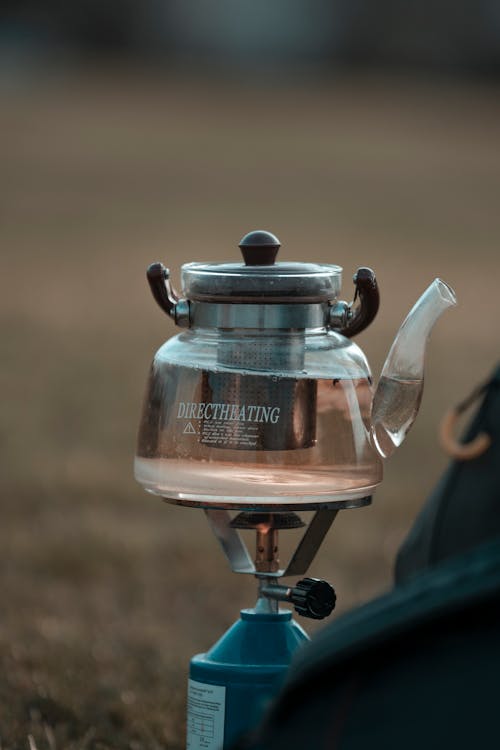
(185, 453)
(395, 407)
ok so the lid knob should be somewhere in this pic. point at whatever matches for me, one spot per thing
(259, 248)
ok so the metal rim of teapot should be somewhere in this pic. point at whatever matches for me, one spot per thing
(343, 317)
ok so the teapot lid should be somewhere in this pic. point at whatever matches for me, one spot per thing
(259, 278)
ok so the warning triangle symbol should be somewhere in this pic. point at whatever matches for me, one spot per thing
(189, 429)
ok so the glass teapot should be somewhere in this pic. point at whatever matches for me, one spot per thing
(263, 400)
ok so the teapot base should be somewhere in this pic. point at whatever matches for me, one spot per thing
(223, 485)
(272, 505)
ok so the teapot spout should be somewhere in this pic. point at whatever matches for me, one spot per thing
(399, 392)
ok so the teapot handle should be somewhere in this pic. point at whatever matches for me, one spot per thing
(359, 318)
(165, 295)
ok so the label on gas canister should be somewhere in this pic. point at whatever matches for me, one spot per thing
(205, 716)
(249, 412)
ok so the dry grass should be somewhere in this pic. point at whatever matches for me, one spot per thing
(106, 593)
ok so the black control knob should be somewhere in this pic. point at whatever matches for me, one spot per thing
(313, 598)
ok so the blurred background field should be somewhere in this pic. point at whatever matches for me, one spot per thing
(108, 166)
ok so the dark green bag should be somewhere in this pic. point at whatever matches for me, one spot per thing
(464, 509)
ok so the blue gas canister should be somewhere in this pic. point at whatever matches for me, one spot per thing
(231, 685)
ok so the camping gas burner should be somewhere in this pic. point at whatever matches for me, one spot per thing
(267, 526)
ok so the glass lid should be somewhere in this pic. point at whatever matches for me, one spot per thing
(259, 279)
